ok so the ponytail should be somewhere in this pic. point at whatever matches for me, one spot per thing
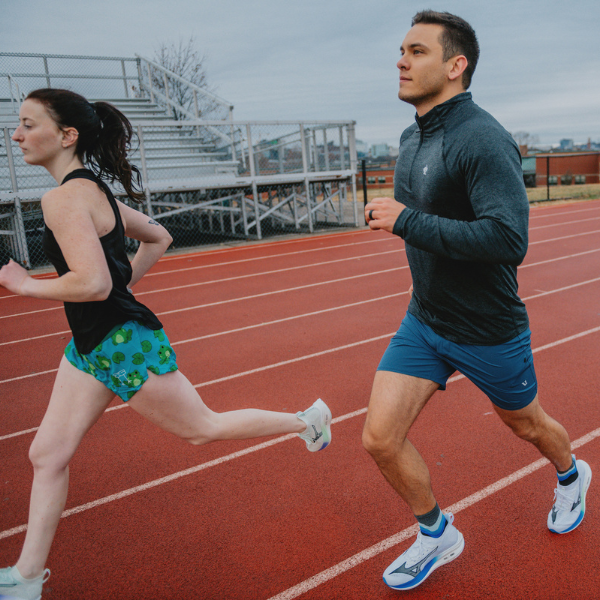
(104, 136)
(108, 157)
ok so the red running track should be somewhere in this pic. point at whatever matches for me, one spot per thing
(275, 326)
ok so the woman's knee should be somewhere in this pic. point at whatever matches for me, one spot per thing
(46, 456)
(209, 429)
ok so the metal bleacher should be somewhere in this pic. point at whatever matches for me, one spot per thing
(208, 177)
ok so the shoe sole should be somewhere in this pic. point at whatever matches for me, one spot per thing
(443, 559)
(324, 410)
(586, 485)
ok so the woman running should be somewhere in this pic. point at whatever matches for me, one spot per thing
(118, 345)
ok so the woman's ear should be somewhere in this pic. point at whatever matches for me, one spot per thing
(70, 137)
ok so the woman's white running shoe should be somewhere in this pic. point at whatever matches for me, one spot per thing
(15, 587)
(318, 426)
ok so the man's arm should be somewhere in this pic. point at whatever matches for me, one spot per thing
(494, 183)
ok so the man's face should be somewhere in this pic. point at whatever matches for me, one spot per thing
(423, 73)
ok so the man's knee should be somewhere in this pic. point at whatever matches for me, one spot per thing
(526, 430)
(379, 444)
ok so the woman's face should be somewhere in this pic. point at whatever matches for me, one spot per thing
(38, 136)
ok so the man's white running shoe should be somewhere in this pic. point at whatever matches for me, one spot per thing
(569, 501)
(415, 565)
(15, 587)
(318, 426)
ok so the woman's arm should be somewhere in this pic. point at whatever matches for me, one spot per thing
(154, 240)
(67, 214)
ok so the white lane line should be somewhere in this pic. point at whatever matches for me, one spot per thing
(248, 247)
(551, 260)
(178, 475)
(542, 262)
(285, 270)
(292, 289)
(558, 214)
(564, 237)
(568, 287)
(37, 337)
(191, 255)
(301, 358)
(266, 257)
(28, 376)
(394, 540)
(32, 312)
(544, 347)
(226, 279)
(349, 563)
(564, 223)
(293, 360)
(310, 314)
(268, 293)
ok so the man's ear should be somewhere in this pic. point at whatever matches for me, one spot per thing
(70, 137)
(458, 64)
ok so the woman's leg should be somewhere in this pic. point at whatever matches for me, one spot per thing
(77, 402)
(171, 402)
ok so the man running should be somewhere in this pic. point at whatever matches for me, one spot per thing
(461, 207)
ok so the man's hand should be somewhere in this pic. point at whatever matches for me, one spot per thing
(381, 213)
(12, 276)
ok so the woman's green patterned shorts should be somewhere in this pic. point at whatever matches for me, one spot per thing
(122, 360)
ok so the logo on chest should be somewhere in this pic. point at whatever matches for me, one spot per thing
(425, 169)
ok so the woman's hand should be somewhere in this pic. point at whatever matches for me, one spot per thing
(12, 276)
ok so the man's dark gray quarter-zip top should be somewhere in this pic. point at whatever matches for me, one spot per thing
(465, 228)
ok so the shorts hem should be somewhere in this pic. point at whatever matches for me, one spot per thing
(442, 385)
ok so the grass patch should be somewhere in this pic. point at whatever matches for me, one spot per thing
(535, 195)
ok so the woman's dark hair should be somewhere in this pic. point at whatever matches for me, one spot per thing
(457, 38)
(104, 135)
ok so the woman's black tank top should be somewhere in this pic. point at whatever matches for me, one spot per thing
(91, 322)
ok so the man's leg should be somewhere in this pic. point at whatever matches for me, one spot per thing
(531, 423)
(547, 435)
(396, 401)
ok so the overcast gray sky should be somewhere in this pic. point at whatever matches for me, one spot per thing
(539, 69)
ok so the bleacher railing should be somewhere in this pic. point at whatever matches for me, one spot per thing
(210, 179)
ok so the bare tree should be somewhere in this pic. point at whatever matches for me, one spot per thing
(185, 60)
(524, 138)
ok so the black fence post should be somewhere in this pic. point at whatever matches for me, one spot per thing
(547, 177)
(364, 183)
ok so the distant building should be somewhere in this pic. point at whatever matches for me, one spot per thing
(362, 149)
(380, 150)
(567, 168)
(379, 175)
(566, 145)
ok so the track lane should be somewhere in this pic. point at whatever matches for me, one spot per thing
(217, 581)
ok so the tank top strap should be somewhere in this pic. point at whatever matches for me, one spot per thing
(91, 176)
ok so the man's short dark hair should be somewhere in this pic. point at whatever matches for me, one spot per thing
(457, 38)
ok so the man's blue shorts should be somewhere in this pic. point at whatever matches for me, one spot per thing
(122, 360)
(504, 372)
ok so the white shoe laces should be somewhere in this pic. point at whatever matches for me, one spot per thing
(564, 498)
(422, 547)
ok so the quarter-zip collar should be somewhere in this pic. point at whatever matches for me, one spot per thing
(434, 118)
